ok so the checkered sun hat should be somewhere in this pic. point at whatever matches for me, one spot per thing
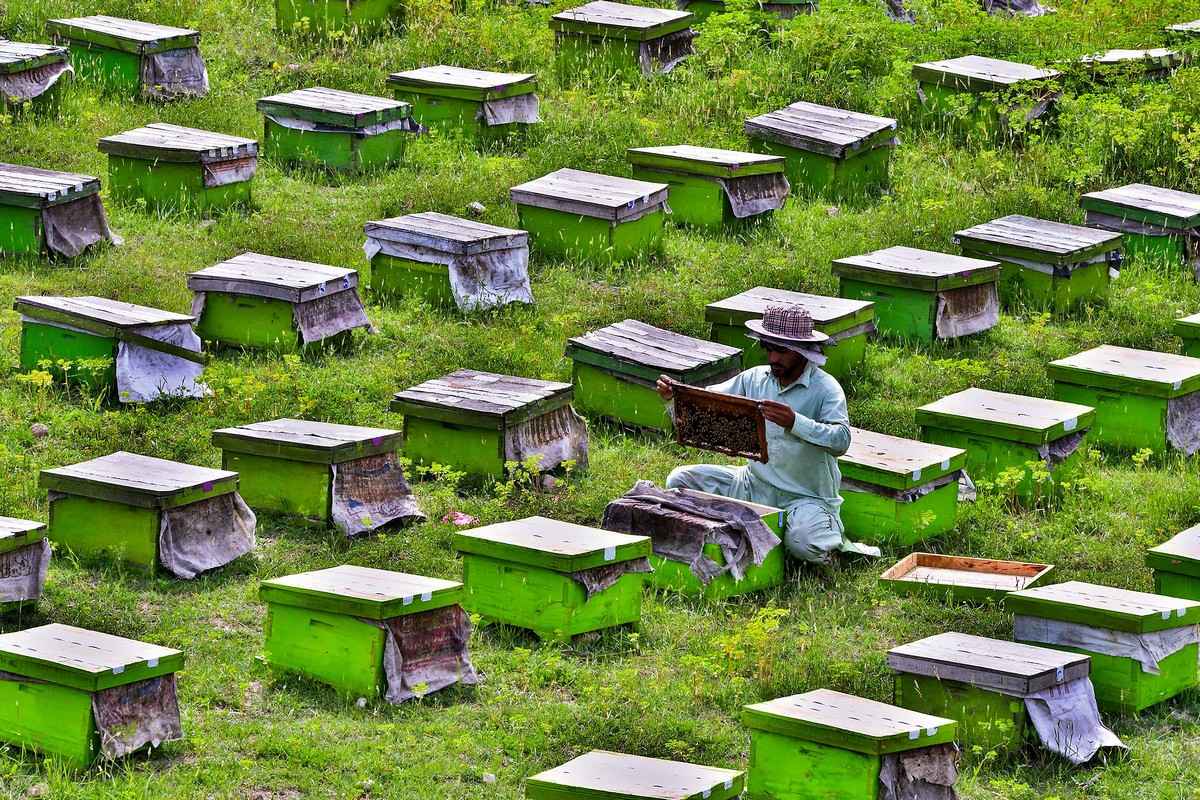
(787, 326)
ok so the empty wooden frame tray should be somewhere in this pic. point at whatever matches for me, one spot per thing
(957, 578)
(724, 423)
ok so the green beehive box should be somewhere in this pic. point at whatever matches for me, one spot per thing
(985, 97)
(1143, 399)
(477, 422)
(24, 557)
(448, 261)
(56, 674)
(829, 152)
(1188, 329)
(471, 103)
(33, 75)
(1153, 64)
(980, 682)
(849, 323)
(1003, 431)
(1176, 565)
(334, 624)
(714, 188)
(530, 573)
(832, 746)
(603, 39)
(132, 57)
(331, 129)
(922, 295)
(898, 491)
(43, 212)
(355, 18)
(575, 214)
(1108, 624)
(615, 370)
(1046, 264)
(1158, 223)
(1183, 31)
(600, 775)
(172, 168)
(259, 301)
(784, 9)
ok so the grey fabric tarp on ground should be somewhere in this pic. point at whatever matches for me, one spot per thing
(1110, 222)
(967, 310)
(925, 773)
(23, 572)
(329, 315)
(205, 535)
(371, 492)
(427, 649)
(1025, 8)
(553, 438)
(134, 715)
(901, 495)
(680, 524)
(663, 54)
(520, 108)
(1067, 721)
(174, 73)
(1145, 648)
(1183, 422)
(21, 87)
(145, 374)
(597, 579)
(755, 194)
(70, 228)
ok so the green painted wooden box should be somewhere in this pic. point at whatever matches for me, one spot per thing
(1109, 625)
(24, 556)
(898, 491)
(987, 98)
(1114, 65)
(1044, 264)
(1007, 433)
(829, 152)
(1176, 565)
(133, 353)
(471, 103)
(477, 422)
(448, 261)
(603, 39)
(849, 323)
(171, 168)
(574, 214)
(922, 295)
(960, 579)
(335, 130)
(334, 625)
(1158, 224)
(43, 212)
(1188, 329)
(615, 369)
(980, 682)
(32, 76)
(129, 56)
(784, 9)
(600, 775)
(531, 573)
(1143, 398)
(828, 745)
(259, 301)
(356, 18)
(59, 672)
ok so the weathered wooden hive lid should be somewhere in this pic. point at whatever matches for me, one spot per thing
(128, 35)
(1169, 208)
(617, 776)
(96, 314)
(829, 314)
(257, 275)
(445, 233)
(1038, 240)
(482, 399)
(335, 107)
(849, 722)
(910, 267)
(1141, 372)
(980, 74)
(644, 351)
(304, 440)
(591, 194)
(17, 533)
(30, 187)
(1180, 553)
(1154, 58)
(1015, 417)
(83, 659)
(621, 21)
(1190, 28)
(549, 543)
(139, 481)
(160, 141)
(706, 160)
(963, 578)
(820, 129)
(361, 592)
(1012, 668)
(21, 56)
(1104, 607)
(895, 462)
(475, 84)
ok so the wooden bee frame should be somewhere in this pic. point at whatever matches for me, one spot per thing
(720, 422)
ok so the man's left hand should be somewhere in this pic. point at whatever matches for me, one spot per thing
(779, 413)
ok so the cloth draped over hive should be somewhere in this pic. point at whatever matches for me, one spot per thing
(926, 773)
(1067, 720)
(910, 495)
(897, 11)
(1024, 8)
(229, 171)
(134, 715)
(967, 310)
(520, 108)
(370, 493)
(70, 228)
(663, 54)
(478, 280)
(21, 87)
(406, 124)
(1145, 648)
(317, 319)
(23, 572)
(755, 194)
(597, 579)
(553, 438)
(1111, 222)
(1183, 422)
(427, 650)
(205, 535)
(174, 73)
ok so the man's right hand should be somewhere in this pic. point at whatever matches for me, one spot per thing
(665, 387)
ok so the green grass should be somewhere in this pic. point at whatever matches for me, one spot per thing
(675, 689)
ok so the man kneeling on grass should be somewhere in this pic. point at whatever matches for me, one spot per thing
(807, 429)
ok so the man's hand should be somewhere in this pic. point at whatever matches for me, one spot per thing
(779, 413)
(665, 387)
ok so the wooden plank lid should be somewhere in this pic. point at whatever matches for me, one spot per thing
(1190, 28)
(591, 194)
(962, 578)
(161, 141)
(1038, 240)
(980, 74)
(549, 543)
(128, 35)
(304, 440)
(849, 722)
(139, 480)
(17, 533)
(1142, 372)
(618, 20)
(361, 592)
(482, 399)
(694, 160)
(1104, 607)
(1180, 553)
(333, 106)
(258, 275)
(1169, 208)
(829, 314)
(1009, 667)
(481, 84)
(445, 233)
(106, 314)
(84, 659)
(1154, 58)
(1031, 420)
(21, 56)
(38, 188)
(913, 268)
(616, 776)
(635, 348)
(895, 462)
(832, 132)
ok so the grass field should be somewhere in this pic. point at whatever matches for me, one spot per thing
(675, 688)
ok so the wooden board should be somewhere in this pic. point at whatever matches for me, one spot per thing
(619, 20)
(980, 74)
(819, 129)
(483, 84)
(1032, 420)
(1138, 201)
(21, 56)
(107, 313)
(1104, 607)
(142, 477)
(1180, 553)
(723, 423)
(692, 160)
(257, 275)
(333, 106)
(560, 546)
(1009, 667)
(1157, 58)
(1143, 372)
(482, 398)
(445, 233)
(980, 577)
(36, 188)
(128, 35)
(917, 269)
(829, 314)
(1038, 239)
(160, 141)
(590, 194)
(17, 533)
(642, 350)
(849, 722)
(361, 592)
(1189, 28)
(84, 659)
(895, 462)
(617, 776)
(313, 441)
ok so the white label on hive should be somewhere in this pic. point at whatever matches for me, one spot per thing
(1070, 424)
(152, 663)
(931, 731)
(51, 195)
(1179, 612)
(1058, 674)
(118, 670)
(946, 464)
(729, 783)
(426, 597)
(916, 474)
(1177, 385)
(914, 734)
(407, 600)
(610, 553)
(1166, 615)
(706, 793)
